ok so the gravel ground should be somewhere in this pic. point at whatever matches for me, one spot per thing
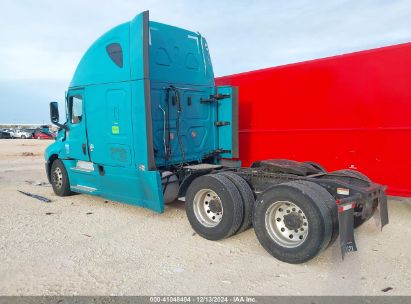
(84, 245)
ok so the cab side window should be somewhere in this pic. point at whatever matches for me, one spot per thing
(76, 108)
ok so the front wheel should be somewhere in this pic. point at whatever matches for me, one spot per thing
(59, 179)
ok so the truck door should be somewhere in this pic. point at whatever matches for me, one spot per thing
(77, 137)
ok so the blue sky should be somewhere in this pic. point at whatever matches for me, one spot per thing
(42, 41)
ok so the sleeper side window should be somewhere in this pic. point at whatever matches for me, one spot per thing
(115, 52)
(76, 108)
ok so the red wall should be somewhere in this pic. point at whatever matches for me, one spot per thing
(349, 111)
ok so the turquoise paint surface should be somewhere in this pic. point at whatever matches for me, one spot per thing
(123, 125)
(77, 136)
(96, 67)
(112, 109)
(134, 187)
(139, 124)
(180, 58)
(226, 134)
(136, 47)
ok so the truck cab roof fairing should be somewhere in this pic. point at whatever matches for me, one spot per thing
(121, 55)
(97, 66)
(155, 60)
(179, 56)
(100, 63)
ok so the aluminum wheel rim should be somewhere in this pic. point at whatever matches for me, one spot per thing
(58, 177)
(208, 208)
(286, 224)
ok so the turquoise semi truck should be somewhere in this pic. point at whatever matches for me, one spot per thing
(146, 125)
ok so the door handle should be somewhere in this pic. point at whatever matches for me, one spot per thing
(83, 146)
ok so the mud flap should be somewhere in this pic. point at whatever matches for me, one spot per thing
(382, 205)
(346, 228)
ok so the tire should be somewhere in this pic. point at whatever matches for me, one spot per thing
(358, 220)
(217, 218)
(329, 201)
(59, 179)
(247, 196)
(23, 137)
(306, 216)
(353, 173)
(316, 165)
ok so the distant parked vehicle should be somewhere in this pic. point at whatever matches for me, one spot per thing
(32, 131)
(23, 134)
(10, 131)
(41, 135)
(5, 135)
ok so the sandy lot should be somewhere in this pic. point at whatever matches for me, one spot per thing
(84, 245)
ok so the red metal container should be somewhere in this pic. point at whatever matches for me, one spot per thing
(348, 111)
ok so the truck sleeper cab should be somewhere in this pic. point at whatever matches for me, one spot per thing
(145, 125)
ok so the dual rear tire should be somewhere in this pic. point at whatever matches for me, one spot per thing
(293, 221)
(219, 205)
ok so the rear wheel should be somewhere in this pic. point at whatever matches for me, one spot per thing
(329, 201)
(358, 220)
(292, 222)
(59, 179)
(247, 198)
(23, 137)
(214, 207)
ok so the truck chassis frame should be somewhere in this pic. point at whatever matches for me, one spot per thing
(356, 198)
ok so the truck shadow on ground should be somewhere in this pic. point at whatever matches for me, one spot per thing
(178, 205)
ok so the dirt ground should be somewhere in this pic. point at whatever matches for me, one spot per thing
(84, 245)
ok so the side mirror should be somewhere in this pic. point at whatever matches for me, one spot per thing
(54, 115)
(54, 112)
